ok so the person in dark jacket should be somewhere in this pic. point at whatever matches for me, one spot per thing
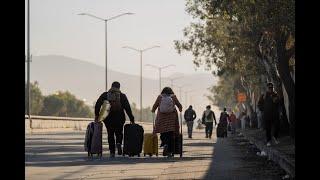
(115, 120)
(189, 116)
(223, 121)
(269, 105)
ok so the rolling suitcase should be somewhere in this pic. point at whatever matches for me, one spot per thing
(133, 140)
(93, 139)
(150, 142)
(178, 141)
(221, 131)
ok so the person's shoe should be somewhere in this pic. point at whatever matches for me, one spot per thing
(165, 150)
(112, 155)
(119, 149)
(268, 144)
(275, 140)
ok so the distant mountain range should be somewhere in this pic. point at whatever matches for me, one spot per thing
(86, 80)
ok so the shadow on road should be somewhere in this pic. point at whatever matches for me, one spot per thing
(234, 160)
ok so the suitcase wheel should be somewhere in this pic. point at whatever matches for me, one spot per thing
(139, 155)
(144, 154)
(157, 154)
(150, 155)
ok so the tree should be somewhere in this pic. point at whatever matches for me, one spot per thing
(251, 38)
(65, 104)
(53, 106)
(36, 98)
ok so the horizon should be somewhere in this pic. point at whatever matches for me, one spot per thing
(173, 73)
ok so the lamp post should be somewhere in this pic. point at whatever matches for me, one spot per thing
(159, 68)
(140, 51)
(180, 90)
(106, 36)
(172, 79)
(28, 60)
(186, 96)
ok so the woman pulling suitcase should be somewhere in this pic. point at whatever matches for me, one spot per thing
(167, 123)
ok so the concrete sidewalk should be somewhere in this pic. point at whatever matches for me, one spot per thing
(282, 153)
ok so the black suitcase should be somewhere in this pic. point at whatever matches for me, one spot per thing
(178, 141)
(133, 140)
(221, 130)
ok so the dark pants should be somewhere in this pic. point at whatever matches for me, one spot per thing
(209, 126)
(190, 127)
(167, 138)
(114, 131)
(272, 125)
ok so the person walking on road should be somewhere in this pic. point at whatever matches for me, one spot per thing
(233, 120)
(223, 121)
(207, 118)
(243, 118)
(167, 121)
(189, 116)
(269, 105)
(115, 120)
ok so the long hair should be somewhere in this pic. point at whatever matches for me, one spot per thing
(167, 91)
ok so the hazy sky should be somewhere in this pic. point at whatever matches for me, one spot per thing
(57, 29)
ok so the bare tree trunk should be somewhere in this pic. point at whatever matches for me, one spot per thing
(284, 71)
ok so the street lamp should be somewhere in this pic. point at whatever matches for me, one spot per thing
(172, 79)
(186, 96)
(180, 91)
(140, 51)
(28, 60)
(159, 68)
(106, 36)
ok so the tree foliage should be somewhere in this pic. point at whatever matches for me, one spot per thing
(248, 41)
(58, 104)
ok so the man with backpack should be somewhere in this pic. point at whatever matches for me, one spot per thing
(207, 119)
(115, 120)
(190, 116)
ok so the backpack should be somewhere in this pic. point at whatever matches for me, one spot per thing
(166, 104)
(223, 118)
(114, 100)
(209, 117)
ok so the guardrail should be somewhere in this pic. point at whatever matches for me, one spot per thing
(55, 122)
(57, 118)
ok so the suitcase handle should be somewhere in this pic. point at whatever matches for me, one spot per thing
(153, 119)
(181, 122)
